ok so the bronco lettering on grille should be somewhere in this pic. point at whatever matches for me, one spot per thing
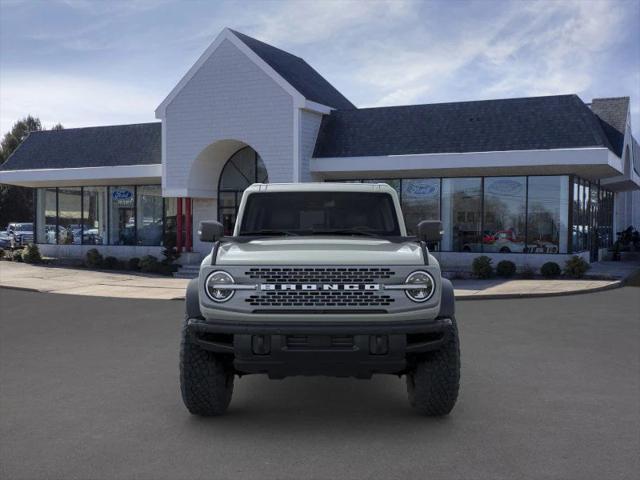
(319, 286)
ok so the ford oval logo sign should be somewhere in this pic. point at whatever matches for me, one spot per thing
(122, 194)
(423, 189)
(506, 187)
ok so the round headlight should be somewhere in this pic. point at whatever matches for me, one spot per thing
(426, 289)
(213, 286)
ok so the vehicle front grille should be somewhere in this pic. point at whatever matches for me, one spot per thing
(336, 298)
(320, 298)
(320, 274)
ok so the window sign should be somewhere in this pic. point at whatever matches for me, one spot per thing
(122, 219)
(122, 197)
(420, 201)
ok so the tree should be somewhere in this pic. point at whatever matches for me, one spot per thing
(18, 133)
(16, 203)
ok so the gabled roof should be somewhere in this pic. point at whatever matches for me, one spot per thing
(534, 123)
(292, 73)
(109, 146)
(613, 113)
(298, 73)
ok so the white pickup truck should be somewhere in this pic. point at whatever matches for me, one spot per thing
(17, 235)
(319, 279)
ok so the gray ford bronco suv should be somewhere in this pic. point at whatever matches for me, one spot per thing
(319, 279)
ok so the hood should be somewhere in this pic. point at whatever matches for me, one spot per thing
(319, 251)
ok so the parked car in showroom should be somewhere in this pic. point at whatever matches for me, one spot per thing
(18, 235)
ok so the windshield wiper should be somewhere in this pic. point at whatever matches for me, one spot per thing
(268, 232)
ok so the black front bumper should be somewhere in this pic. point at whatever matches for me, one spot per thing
(313, 348)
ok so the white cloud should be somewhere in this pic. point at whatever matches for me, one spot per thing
(376, 52)
(73, 101)
(534, 48)
(314, 21)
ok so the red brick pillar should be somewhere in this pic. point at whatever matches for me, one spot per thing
(188, 227)
(179, 224)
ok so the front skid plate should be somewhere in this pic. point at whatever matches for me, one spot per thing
(340, 350)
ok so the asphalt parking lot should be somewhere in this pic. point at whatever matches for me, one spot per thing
(550, 389)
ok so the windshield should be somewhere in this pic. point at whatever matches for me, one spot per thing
(318, 213)
(23, 227)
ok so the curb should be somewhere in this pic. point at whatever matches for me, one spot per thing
(35, 290)
(461, 298)
(498, 296)
(23, 289)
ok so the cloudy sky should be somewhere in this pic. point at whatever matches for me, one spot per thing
(82, 62)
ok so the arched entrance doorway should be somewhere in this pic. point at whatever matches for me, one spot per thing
(242, 169)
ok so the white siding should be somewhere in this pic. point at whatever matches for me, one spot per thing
(203, 209)
(229, 97)
(309, 126)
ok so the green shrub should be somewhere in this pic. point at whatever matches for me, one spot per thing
(149, 264)
(166, 269)
(133, 263)
(93, 259)
(110, 263)
(170, 252)
(550, 270)
(527, 272)
(576, 267)
(12, 255)
(505, 268)
(482, 267)
(1, 253)
(31, 254)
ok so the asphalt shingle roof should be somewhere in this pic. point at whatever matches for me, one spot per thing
(298, 73)
(612, 113)
(108, 146)
(533, 123)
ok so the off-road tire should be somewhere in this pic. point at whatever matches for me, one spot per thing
(205, 383)
(434, 382)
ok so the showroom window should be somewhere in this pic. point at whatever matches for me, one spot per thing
(122, 215)
(69, 216)
(462, 214)
(592, 213)
(420, 201)
(101, 215)
(149, 215)
(241, 170)
(576, 212)
(94, 215)
(505, 214)
(547, 216)
(46, 215)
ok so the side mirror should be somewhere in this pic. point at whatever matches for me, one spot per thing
(430, 231)
(210, 231)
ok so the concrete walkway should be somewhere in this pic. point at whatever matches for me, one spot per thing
(77, 281)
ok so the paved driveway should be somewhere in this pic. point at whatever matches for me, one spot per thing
(89, 389)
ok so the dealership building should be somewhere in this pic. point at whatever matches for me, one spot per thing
(526, 179)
